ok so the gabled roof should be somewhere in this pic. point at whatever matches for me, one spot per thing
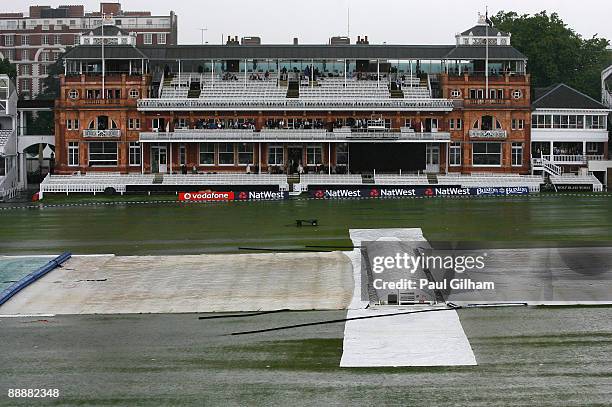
(562, 96)
(481, 31)
(110, 52)
(109, 31)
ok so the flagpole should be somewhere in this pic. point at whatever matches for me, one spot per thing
(487, 53)
(103, 64)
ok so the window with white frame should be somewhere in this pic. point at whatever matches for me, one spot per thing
(9, 41)
(76, 40)
(133, 123)
(518, 124)
(486, 154)
(182, 155)
(181, 123)
(455, 124)
(454, 154)
(103, 154)
(517, 94)
(45, 40)
(456, 93)
(25, 40)
(73, 154)
(161, 38)
(275, 155)
(148, 38)
(517, 154)
(45, 56)
(596, 122)
(72, 124)
(342, 154)
(207, 154)
(313, 155)
(134, 153)
(134, 93)
(57, 40)
(245, 153)
(226, 154)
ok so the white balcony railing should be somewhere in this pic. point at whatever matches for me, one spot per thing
(573, 158)
(298, 104)
(114, 133)
(288, 135)
(488, 134)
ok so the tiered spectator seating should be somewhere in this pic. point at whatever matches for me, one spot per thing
(533, 182)
(177, 88)
(336, 88)
(326, 179)
(228, 179)
(393, 179)
(239, 89)
(571, 179)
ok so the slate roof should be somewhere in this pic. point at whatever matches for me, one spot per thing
(200, 52)
(562, 96)
(481, 31)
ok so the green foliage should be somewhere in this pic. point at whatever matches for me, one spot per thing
(44, 122)
(8, 69)
(51, 84)
(556, 52)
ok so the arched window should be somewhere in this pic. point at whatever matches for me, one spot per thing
(487, 122)
(102, 122)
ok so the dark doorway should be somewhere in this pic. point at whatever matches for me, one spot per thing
(294, 155)
(387, 157)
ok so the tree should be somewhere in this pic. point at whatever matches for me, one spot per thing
(8, 69)
(556, 52)
(44, 122)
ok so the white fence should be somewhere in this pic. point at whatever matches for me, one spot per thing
(391, 179)
(571, 179)
(228, 179)
(326, 179)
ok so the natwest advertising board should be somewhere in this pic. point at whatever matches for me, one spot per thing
(405, 191)
(231, 195)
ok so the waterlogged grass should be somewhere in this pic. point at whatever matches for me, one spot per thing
(526, 356)
(178, 228)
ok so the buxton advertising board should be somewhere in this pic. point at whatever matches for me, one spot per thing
(405, 191)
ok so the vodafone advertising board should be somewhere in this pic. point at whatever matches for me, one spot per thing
(231, 196)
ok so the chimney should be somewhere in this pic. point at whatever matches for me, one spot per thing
(295, 41)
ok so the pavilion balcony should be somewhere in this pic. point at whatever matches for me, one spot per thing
(572, 159)
(92, 133)
(488, 134)
(223, 104)
(291, 135)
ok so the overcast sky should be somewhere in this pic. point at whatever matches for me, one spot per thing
(314, 21)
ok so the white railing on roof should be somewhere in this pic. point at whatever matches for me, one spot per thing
(284, 103)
